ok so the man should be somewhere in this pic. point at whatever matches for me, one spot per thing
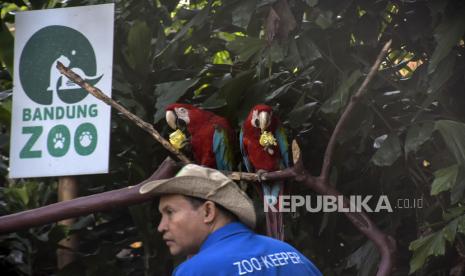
(205, 215)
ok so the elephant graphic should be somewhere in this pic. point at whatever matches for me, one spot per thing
(41, 80)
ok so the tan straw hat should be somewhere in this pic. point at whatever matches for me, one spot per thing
(197, 181)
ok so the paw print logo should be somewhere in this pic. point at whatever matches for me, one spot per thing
(59, 141)
(85, 139)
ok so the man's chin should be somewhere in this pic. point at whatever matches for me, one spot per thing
(174, 250)
(178, 252)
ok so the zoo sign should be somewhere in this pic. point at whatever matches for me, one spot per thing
(57, 127)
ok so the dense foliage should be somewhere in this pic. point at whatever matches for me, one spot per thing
(406, 139)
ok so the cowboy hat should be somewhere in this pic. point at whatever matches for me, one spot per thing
(209, 184)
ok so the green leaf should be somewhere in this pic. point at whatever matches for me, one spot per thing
(139, 48)
(280, 91)
(450, 230)
(6, 47)
(456, 193)
(246, 47)
(311, 3)
(340, 98)
(199, 19)
(233, 90)
(308, 51)
(389, 151)
(300, 115)
(222, 57)
(453, 213)
(444, 179)
(438, 79)
(453, 134)
(214, 101)
(275, 52)
(447, 35)
(242, 13)
(324, 19)
(417, 135)
(22, 194)
(461, 224)
(442, 75)
(433, 244)
(170, 92)
(365, 259)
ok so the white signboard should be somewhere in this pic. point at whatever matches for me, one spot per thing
(58, 128)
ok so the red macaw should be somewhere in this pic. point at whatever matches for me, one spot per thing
(264, 147)
(211, 136)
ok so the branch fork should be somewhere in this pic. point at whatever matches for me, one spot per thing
(105, 201)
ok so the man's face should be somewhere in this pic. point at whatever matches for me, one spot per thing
(182, 226)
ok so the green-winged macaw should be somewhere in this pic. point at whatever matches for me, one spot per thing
(211, 136)
(264, 147)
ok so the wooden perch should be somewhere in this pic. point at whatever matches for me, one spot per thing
(87, 204)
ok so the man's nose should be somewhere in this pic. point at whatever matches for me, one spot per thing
(161, 226)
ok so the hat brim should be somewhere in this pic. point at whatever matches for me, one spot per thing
(230, 196)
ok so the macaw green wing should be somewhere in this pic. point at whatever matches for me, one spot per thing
(223, 150)
(245, 157)
(283, 144)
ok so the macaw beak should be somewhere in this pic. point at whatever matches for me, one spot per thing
(171, 119)
(264, 120)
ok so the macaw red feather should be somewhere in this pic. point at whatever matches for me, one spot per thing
(258, 156)
(201, 127)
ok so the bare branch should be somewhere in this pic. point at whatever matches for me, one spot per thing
(85, 205)
(348, 111)
(135, 119)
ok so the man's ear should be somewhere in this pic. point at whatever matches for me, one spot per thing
(210, 211)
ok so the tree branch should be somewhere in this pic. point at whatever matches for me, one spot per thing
(87, 204)
(138, 121)
(385, 244)
(348, 111)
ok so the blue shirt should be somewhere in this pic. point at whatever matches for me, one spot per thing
(234, 249)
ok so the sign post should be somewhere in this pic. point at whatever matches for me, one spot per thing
(67, 190)
(57, 128)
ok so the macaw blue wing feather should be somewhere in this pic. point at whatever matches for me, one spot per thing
(245, 158)
(283, 144)
(222, 149)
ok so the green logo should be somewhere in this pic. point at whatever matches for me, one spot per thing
(37, 65)
(85, 139)
(58, 141)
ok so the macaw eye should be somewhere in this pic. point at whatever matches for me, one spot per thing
(256, 123)
(254, 120)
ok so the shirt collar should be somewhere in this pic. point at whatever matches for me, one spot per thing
(229, 229)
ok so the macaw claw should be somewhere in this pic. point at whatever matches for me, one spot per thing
(260, 174)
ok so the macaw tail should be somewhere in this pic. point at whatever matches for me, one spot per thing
(274, 218)
(275, 225)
